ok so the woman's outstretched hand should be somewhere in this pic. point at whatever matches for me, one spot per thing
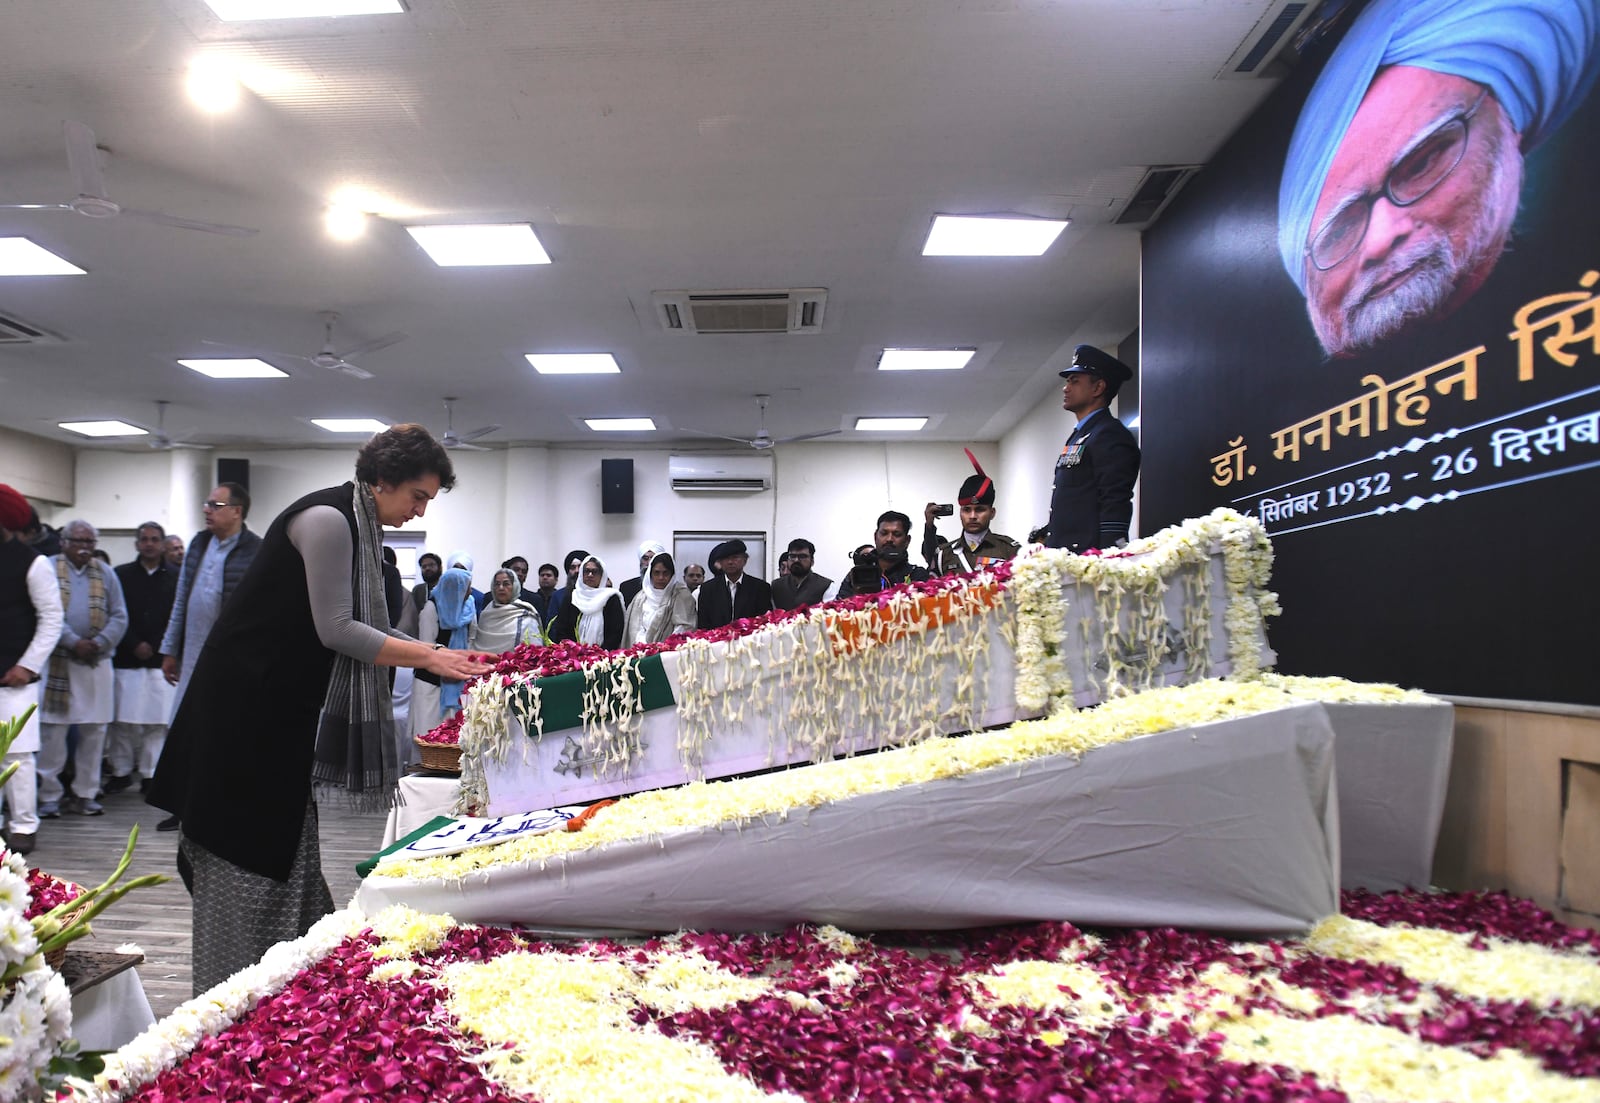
(458, 666)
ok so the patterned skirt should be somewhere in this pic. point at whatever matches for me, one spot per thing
(239, 915)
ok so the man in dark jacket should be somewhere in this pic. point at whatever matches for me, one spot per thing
(144, 697)
(890, 539)
(216, 560)
(732, 595)
(800, 585)
(1091, 505)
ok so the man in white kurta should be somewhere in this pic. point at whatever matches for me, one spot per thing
(144, 696)
(30, 625)
(80, 687)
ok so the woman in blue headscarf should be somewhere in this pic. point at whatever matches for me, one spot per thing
(447, 618)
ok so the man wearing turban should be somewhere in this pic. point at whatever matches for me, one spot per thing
(1403, 174)
(30, 626)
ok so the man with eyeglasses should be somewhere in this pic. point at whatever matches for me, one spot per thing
(216, 560)
(1405, 168)
(80, 688)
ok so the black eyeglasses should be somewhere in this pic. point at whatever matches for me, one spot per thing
(212, 504)
(1416, 174)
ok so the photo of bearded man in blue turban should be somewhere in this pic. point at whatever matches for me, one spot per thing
(1406, 165)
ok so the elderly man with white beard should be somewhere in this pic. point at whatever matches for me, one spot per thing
(1404, 172)
(79, 685)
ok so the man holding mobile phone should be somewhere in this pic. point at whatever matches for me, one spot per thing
(977, 546)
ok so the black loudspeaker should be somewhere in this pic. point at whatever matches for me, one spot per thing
(233, 471)
(616, 486)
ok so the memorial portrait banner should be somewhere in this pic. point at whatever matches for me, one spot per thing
(1373, 322)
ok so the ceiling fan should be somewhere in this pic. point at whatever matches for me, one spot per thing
(83, 159)
(764, 440)
(159, 440)
(462, 441)
(328, 357)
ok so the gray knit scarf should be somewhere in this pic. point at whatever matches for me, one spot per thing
(355, 748)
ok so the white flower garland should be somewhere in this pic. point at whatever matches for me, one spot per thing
(1128, 635)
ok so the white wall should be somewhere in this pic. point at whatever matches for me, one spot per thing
(540, 502)
(36, 468)
(1027, 466)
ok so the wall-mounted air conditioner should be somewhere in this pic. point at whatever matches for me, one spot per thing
(735, 474)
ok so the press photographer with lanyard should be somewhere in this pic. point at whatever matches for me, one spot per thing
(885, 563)
(1091, 505)
(287, 695)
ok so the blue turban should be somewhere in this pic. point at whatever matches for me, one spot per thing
(1538, 57)
(452, 597)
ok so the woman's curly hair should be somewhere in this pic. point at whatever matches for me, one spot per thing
(401, 453)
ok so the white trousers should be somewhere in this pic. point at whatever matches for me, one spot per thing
(22, 802)
(53, 756)
(134, 746)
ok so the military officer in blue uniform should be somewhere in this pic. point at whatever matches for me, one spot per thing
(1091, 504)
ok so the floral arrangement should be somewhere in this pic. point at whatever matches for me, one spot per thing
(1405, 996)
(1129, 631)
(810, 672)
(1339, 691)
(46, 893)
(40, 914)
(707, 805)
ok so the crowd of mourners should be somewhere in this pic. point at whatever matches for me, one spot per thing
(117, 644)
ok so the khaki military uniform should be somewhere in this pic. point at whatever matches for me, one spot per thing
(954, 557)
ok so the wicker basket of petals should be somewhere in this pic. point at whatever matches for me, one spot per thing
(443, 757)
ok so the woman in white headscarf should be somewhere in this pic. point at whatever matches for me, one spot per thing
(664, 607)
(595, 613)
(507, 620)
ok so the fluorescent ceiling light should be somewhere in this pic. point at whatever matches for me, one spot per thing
(573, 363)
(924, 359)
(232, 10)
(103, 429)
(984, 236)
(465, 246)
(212, 85)
(889, 424)
(21, 257)
(242, 368)
(620, 424)
(344, 223)
(350, 424)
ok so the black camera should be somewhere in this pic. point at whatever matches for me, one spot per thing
(945, 510)
(864, 572)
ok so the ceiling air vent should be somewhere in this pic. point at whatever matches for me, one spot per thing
(1154, 192)
(1253, 59)
(14, 331)
(796, 310)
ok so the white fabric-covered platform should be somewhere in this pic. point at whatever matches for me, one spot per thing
(1394, 767)
(1227, 826)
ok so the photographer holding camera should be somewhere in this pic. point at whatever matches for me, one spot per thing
(978, 547)
(886, 563)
